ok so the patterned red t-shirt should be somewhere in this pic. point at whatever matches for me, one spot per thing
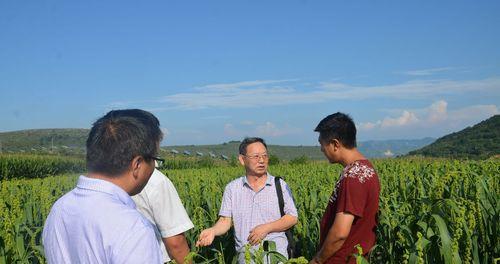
(357, 193)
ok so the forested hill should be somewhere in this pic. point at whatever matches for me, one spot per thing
(61, 140)
(371, 149)
(480, 141)
(72, 142)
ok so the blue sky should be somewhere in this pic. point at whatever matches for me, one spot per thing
(214, 71)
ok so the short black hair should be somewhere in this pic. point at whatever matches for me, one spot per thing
(250, 140)
(119, 136)
(338, 126)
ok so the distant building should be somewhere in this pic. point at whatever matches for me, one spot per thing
(187, 153)
(199, 153)
(224, 157)
(212, 155)
(388, 153)
(174, 151)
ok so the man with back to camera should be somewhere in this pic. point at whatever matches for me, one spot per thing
(251, 203)
(159, 202)
(97, 222)
(350, 217)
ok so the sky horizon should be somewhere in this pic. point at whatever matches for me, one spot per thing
(216, 72)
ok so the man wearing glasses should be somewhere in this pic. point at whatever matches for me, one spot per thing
(251, 204)
(97, 221)
(160, 204)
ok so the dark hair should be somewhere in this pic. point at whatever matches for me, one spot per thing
(250, 140)
(338, 126)
(119, 136)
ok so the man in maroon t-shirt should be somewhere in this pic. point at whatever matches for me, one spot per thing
(350, 217)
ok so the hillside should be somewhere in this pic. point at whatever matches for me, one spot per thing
(372, 149)
(60, 140)
(72, 142)
(477, 142)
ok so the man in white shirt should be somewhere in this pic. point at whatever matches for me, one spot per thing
(160, 204)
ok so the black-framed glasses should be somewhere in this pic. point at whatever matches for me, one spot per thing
(158, 161)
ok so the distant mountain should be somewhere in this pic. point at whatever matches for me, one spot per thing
(44, 140)
(72, 141)
(372, 149)
(391, 148)
(478, 142)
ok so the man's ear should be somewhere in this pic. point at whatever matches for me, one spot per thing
(135, 165)
(336, 144)
(240, 158)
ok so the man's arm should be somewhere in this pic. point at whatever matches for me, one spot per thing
(207, 236)
(260, 232)
(335, 238)
(177, 247)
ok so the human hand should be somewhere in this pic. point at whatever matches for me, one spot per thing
(206, 237)
(258, 233)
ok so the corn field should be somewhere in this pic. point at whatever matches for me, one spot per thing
(431, 210)
(16, 166)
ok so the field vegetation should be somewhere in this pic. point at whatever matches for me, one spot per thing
(431, 210)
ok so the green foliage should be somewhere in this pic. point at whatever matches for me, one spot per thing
(274, 159)
(206, 162)
(72, 142)
(233, 161)
(478, 142)
(299, 160)
(44, 141)
(35, 166)
(183, 162)
(431, 211)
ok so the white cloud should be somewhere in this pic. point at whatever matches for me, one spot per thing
(216, 117)
(269, 130)
(367, 125)
(232, 86)
(433, 116)
(230, 130)
(266, 129)
(474, 112)
(437, 112)
(407, 118)
(264, 93)
(426, 72)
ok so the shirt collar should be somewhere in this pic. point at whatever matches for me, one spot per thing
(269, 180)
(104, 186)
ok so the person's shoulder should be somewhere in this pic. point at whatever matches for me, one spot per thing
(361, 170)
(60, 203)
(281, 179)
(235, 183)
(127, 218)
(157, 178)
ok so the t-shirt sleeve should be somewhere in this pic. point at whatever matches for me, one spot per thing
(226, 205)
(352, 196)
(169, 214)
(289, 206)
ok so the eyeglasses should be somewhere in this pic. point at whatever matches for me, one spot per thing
(264, 156)
(158, 161)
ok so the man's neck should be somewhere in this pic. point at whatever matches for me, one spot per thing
(118, 180)
(256, 181)
(350, 155)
